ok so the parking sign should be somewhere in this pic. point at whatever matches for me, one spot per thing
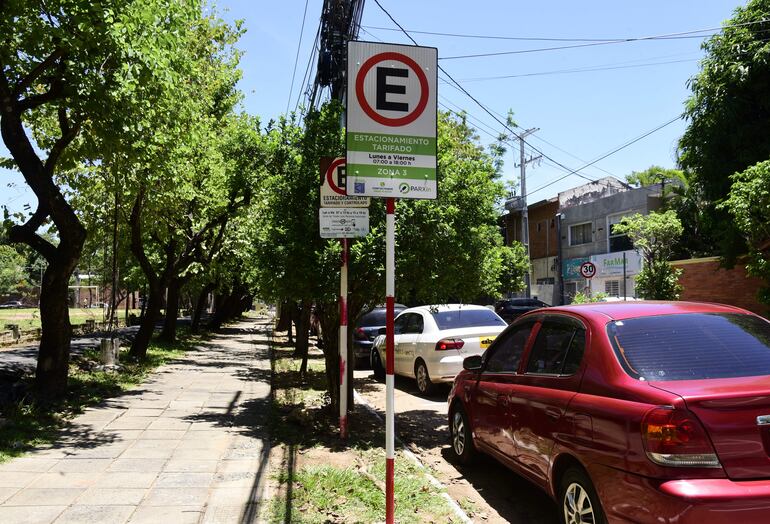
(391, 120)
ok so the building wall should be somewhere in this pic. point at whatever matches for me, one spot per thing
(704, 281)
(596, 213)
(542, 230)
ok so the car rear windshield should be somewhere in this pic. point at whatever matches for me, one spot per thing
(462, 318)
(692, 346)
(376, 317)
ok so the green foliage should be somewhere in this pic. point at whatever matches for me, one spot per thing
(729, 117)
(749, 204)
(656, 175)
(655, 236)
(659, 281)
(11, 270)
(584, 298)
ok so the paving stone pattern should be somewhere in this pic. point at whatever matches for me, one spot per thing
(189, 445)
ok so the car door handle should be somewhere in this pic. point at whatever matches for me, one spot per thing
(553, 413)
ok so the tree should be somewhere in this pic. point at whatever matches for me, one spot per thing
(654, 235)
(11, 270)
(448, 250)
(80, 75)
(657, 175)
(729, 116)
(749, 203)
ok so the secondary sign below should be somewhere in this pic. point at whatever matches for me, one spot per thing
(333, 194)
(343, 222)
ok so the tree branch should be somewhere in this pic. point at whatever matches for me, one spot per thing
(27, 233)
(34, 101)
(37, 71)
(68, 135)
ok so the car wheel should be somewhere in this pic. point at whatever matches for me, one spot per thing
(460, 434)
(379, 370)
(579, 501)
(424, 385)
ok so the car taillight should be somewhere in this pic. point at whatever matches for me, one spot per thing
(449, 343)
(674, 437)
(360, 334)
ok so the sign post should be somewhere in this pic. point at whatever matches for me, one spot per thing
(391, 153)
(341, 216)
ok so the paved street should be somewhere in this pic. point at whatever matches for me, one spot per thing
(494, 493)
(189, 445)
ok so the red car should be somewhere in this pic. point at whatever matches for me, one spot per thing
(627, 412)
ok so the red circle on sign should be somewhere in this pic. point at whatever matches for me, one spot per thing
(392, 122)
(588, 269)
(330, 179)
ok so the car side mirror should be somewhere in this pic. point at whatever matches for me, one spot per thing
(472, 363)
(382, 331)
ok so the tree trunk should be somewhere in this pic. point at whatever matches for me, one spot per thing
(199, 306)
(53, 355)
(152, 302)
(53, 359)
(330, 325)
(168, 334)
(303, 327)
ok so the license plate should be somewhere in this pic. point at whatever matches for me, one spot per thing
(485, 342)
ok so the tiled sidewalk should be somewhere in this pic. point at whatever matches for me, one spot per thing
(189, 445)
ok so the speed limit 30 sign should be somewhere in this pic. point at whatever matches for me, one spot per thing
(587, 269)
(391, 120)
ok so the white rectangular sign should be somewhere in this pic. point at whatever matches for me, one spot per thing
(343, 222)
(391, 120)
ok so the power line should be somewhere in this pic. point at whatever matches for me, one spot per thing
(557, 39)
(670, 36)
(517, 135)
(576, 70)
(633, 141)
(296, 58)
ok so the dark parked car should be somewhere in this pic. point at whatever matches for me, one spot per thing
(366, 331)
(627, 412)
(12, 304)
(512, 308)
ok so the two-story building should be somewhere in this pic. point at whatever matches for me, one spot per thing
(585, 216)
(588, 235)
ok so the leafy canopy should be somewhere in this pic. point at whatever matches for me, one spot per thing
(655, 236)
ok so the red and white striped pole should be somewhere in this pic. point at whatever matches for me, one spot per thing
(344, 341)
(390, 279)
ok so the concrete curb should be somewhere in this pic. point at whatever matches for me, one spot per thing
(433, 480)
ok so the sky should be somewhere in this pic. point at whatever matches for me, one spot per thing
(619, 92)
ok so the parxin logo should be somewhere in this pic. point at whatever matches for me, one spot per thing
(405, 188)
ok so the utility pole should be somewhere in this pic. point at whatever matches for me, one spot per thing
(523, 161)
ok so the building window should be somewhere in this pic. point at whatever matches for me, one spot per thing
(617, 242)
(580, 234)
(612, 288)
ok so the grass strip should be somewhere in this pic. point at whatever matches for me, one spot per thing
(352, 490)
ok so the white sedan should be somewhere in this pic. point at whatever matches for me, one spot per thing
(431, 342)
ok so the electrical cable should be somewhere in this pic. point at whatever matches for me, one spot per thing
(670, 36)
(559, 39)
(517, 135)
(296, 58)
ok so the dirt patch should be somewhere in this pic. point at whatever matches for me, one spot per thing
(486, 490)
